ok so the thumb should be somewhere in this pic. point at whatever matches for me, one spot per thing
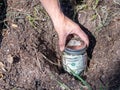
(62, 40)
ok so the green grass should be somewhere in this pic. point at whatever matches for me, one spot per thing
(78, 8)
(34, 18)
(80, 78)
(102, 20)
(96, 4)
(65, 87)
(62, 85)
(31, 20)
(60, 82)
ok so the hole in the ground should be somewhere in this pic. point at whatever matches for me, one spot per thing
(16, 59)
(3, 7)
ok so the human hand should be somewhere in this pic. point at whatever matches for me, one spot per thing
(64, 27)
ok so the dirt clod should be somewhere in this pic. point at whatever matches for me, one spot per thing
(29, 53)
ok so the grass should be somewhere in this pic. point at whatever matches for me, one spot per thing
(62, 85)
(78, 8)
(65, 87)
(60, 82)
(80, 78)
(32, 19)
(96, 4)
(103, 20)
(101, 14)
(116, 2)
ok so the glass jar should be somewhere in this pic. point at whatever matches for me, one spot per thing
(74, 56)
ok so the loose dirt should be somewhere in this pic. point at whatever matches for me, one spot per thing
(29, 53)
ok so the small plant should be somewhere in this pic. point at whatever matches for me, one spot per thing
(103, 18)
(77, 8)
(62, 85)
(34, 18)
(80, 78)
(65, 87)
(31, 20)
(96, 4)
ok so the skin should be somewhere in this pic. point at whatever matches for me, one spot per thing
(62, 24)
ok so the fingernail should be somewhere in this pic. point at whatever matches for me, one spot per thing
(61, 48)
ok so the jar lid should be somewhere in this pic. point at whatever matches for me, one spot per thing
(75, 47)
(75, 52)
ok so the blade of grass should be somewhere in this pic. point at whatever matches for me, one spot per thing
(63, 85)
(96, 4)
(93, 17)
(80, 78)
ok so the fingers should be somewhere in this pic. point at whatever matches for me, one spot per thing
(69, 27)
(83, 36)
(63, 36)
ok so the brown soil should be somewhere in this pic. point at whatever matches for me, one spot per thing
(29, 54)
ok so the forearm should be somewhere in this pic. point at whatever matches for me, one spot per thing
(53, 9)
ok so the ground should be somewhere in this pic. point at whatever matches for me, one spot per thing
(29, 53)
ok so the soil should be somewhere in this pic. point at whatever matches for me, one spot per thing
(29, 53)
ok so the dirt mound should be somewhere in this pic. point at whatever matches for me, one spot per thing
(29, 52)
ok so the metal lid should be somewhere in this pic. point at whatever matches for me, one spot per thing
(75, 47)
(75, 52)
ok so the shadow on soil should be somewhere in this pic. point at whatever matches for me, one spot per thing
(48, 51)
(114, 78)
(112, 82)
(3, 7)
(92, 42)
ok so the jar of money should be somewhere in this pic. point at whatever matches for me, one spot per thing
(74, 56)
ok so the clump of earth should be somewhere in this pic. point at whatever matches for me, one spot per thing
(30, 58)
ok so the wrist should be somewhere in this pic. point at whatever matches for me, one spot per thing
(58, 19)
